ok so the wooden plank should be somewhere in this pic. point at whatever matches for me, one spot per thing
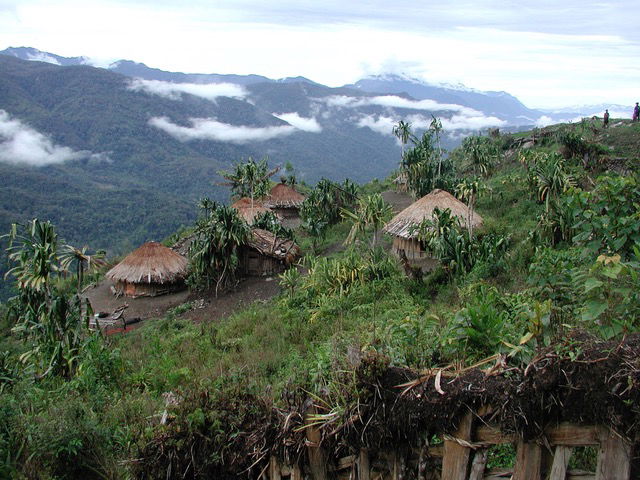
(492, 435)
(455, 463)
(614, 458)
(478, 464)
(317, 461)
(364, 470)
(560, 463)
(573, 435)
(296, 472)
(274, 469)
(346, 462)
(528, 461)
(580, 475)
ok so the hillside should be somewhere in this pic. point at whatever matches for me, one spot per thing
(118, 153)
(538, 317)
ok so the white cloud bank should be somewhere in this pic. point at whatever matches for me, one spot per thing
(394, 101)
(42, 57)
(173, 91)
(211, 129)
(301, 123)
(384, 124)
(21, 144)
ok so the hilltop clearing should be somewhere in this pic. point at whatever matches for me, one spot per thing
(536, 313)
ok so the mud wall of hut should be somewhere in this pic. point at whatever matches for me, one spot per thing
(129, 289)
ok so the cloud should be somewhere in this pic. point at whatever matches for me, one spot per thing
(42, 57)
(382, 125)
(210, 129)
(301, 123)
(21, 144)
(545, 120)
(173, 91)
(394, 101)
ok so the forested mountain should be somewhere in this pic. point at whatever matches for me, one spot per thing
(114, 160)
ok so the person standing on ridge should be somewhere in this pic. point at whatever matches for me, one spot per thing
(636, 113)
(606, 119)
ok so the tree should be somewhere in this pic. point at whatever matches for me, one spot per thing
(49, 320)
(403, 132)
(436, 127)
(481, 153)
(371, 211)
(249, 179)
(467, 191)
(214, 250)
(84, 262)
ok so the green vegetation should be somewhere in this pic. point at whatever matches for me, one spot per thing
(559, 252)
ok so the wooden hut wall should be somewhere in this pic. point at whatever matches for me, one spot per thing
(287, 213)
(253, 263)
(411, 247)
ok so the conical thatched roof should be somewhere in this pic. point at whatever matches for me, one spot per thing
(268, 244)
(414, 214)
(284, 196)
(151, 263)
(248, 213)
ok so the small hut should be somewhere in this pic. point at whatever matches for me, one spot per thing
(400, 226)
(151, 270)
(247, 211)
(285, 201)
(266, 254)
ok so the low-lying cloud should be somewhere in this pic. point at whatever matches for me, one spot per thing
(394, 101)
(42, 57)
(21, 144)
(174, 91)
(384, 124)
(211, 129)
(301, 123)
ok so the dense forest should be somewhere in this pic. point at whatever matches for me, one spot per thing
(554, 269)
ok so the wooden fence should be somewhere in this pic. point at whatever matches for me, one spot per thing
(463, 455)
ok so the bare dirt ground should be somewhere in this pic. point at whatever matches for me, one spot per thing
(206, 306)
(398, 200)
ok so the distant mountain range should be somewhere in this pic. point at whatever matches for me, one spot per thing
(120, 155)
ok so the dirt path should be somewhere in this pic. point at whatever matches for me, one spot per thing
(398, 200)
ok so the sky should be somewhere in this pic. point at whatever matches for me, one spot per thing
(548, 53)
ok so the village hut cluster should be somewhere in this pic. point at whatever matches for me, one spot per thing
(154, 269)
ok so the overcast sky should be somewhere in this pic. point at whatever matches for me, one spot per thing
(546, 52)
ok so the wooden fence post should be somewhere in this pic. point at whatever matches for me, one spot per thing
(274, 469)
(455, 464)
(364, 470)
(528, 461)
(614, 457)
(317, 461)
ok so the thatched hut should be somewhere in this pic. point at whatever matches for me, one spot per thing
(285, 201)
(400, 226)
(266, 254)
(151, 270)
(247, 211)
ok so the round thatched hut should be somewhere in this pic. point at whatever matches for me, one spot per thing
(285, 201)
(151, 270)
(400, 226)
(247, 211)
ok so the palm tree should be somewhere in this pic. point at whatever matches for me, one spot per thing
(468, 191)
(207, 205)
(436, 127)
(371, 211)
(249, 179)
(70, 254)
(403, 132)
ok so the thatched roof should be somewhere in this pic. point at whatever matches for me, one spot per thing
(246, 211)
(266, 243)
(151, 263)
(284, 196)
(414, 214)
